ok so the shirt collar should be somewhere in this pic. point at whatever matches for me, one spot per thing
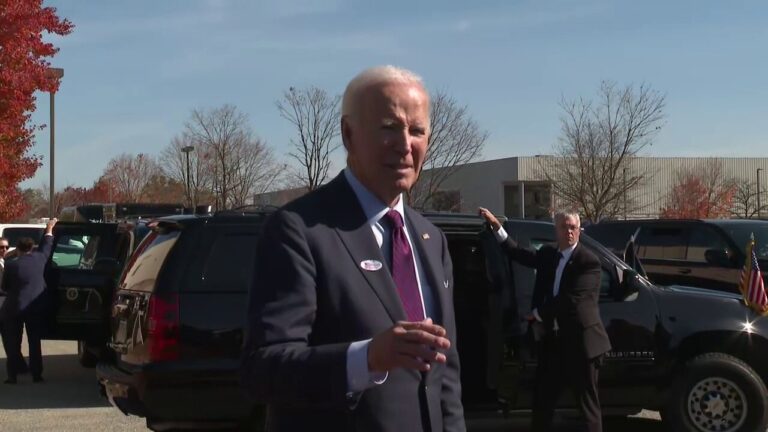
(567, 252)
(373, 208)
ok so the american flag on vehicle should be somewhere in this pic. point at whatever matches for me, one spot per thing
(751, 284)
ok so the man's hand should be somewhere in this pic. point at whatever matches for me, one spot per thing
(489, 217)
(531, 317)
(408, 345)
(49, 226)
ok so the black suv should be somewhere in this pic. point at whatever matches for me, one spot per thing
(701, 253)
(178, 317)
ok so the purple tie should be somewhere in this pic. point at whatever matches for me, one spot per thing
(403, 269)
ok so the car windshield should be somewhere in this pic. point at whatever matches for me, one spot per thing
(14, 234)
(740, 234)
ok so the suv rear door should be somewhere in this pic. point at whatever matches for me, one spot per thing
(81, 277)
(662, 250)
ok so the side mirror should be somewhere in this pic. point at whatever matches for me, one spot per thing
(717, 257)
(629, 285)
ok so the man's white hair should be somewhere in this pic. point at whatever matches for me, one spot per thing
(565, 214)
(373, 76)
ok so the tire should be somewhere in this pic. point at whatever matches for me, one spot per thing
(717, 392)
(85, 356)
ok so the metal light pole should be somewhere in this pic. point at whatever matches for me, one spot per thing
(186, 151)
(758, 192)
(53, 73)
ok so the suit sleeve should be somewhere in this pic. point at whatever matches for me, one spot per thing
(453, 411)
(524, 256)
(46, 246)
(279, 363)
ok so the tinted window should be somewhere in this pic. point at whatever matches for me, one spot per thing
(740, 234)
(14, 234)
(78, 251)
(662, 243)
(144, 265)
(704, 238)
(230, 263)
(612, 235)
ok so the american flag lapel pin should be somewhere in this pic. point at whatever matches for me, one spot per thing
(425, 236)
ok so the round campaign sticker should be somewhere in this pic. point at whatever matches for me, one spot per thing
(71, 294)
(371, 265)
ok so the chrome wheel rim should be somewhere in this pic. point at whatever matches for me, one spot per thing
(716, 404)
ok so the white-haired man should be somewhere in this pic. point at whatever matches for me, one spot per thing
(565, 301)
(351, 323)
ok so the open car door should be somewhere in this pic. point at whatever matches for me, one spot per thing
(81, 276)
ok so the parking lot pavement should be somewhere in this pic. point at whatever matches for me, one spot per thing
(69, 401)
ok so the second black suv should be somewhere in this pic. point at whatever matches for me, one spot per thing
(701, 253)
(178, 318)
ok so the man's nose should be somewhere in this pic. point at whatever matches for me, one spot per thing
(403, 142)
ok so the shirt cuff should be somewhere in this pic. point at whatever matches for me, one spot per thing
(501, 235)
(359, 378)
(537, 316)
(48, 234)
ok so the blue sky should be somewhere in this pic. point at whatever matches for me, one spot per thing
(134, 70)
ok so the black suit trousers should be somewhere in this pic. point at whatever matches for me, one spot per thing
(33, 318)
(562, 363)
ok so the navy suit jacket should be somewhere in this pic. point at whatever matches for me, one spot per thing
(311, 298)
(24, 279)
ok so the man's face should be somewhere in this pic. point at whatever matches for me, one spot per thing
(567, 230)
(386, 137)
(3, 248)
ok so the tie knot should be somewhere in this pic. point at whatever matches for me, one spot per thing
(393, 216)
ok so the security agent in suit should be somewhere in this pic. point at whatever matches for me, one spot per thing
(21, 365)
(25, 304)
(350, 318)
(565, 304)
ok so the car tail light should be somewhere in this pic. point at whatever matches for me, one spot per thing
(163, 329)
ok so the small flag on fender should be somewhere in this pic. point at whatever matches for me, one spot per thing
(751, 284)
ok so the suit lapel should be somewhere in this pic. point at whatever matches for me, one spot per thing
(430, 261)
(361, 245)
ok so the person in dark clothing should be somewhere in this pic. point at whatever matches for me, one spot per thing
(4, 247)
(25, 305)
(572, 340)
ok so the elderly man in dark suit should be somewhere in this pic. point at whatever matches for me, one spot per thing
(351, 323)
(565, 303)
(24, 285)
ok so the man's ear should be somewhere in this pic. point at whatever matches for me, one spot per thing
(346, 132)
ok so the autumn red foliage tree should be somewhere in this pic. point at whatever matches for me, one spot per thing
(23, 65)
(701, 193)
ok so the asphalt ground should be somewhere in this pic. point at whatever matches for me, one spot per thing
(69, 401)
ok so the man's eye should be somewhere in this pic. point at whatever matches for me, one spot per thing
(418, 131)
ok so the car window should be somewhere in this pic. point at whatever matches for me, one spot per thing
(229, 264)
(662, 243)
(702, 239)
(605, 283)
(537, 243)
(614, 236)
(14, 234)
(144, 266)
(76, 251)
(741, 232)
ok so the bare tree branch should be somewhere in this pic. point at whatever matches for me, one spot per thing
(455, 139)
(228, 161)
(591, 168)
(316, 117)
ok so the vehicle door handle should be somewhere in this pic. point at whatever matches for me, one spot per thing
(684, 271)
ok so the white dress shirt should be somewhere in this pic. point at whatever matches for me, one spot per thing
(359, 377)
(501, 236)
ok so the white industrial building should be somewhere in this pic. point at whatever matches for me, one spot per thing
(514, 186)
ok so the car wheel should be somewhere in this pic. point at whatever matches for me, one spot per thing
(717, 393)
(86, 358)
